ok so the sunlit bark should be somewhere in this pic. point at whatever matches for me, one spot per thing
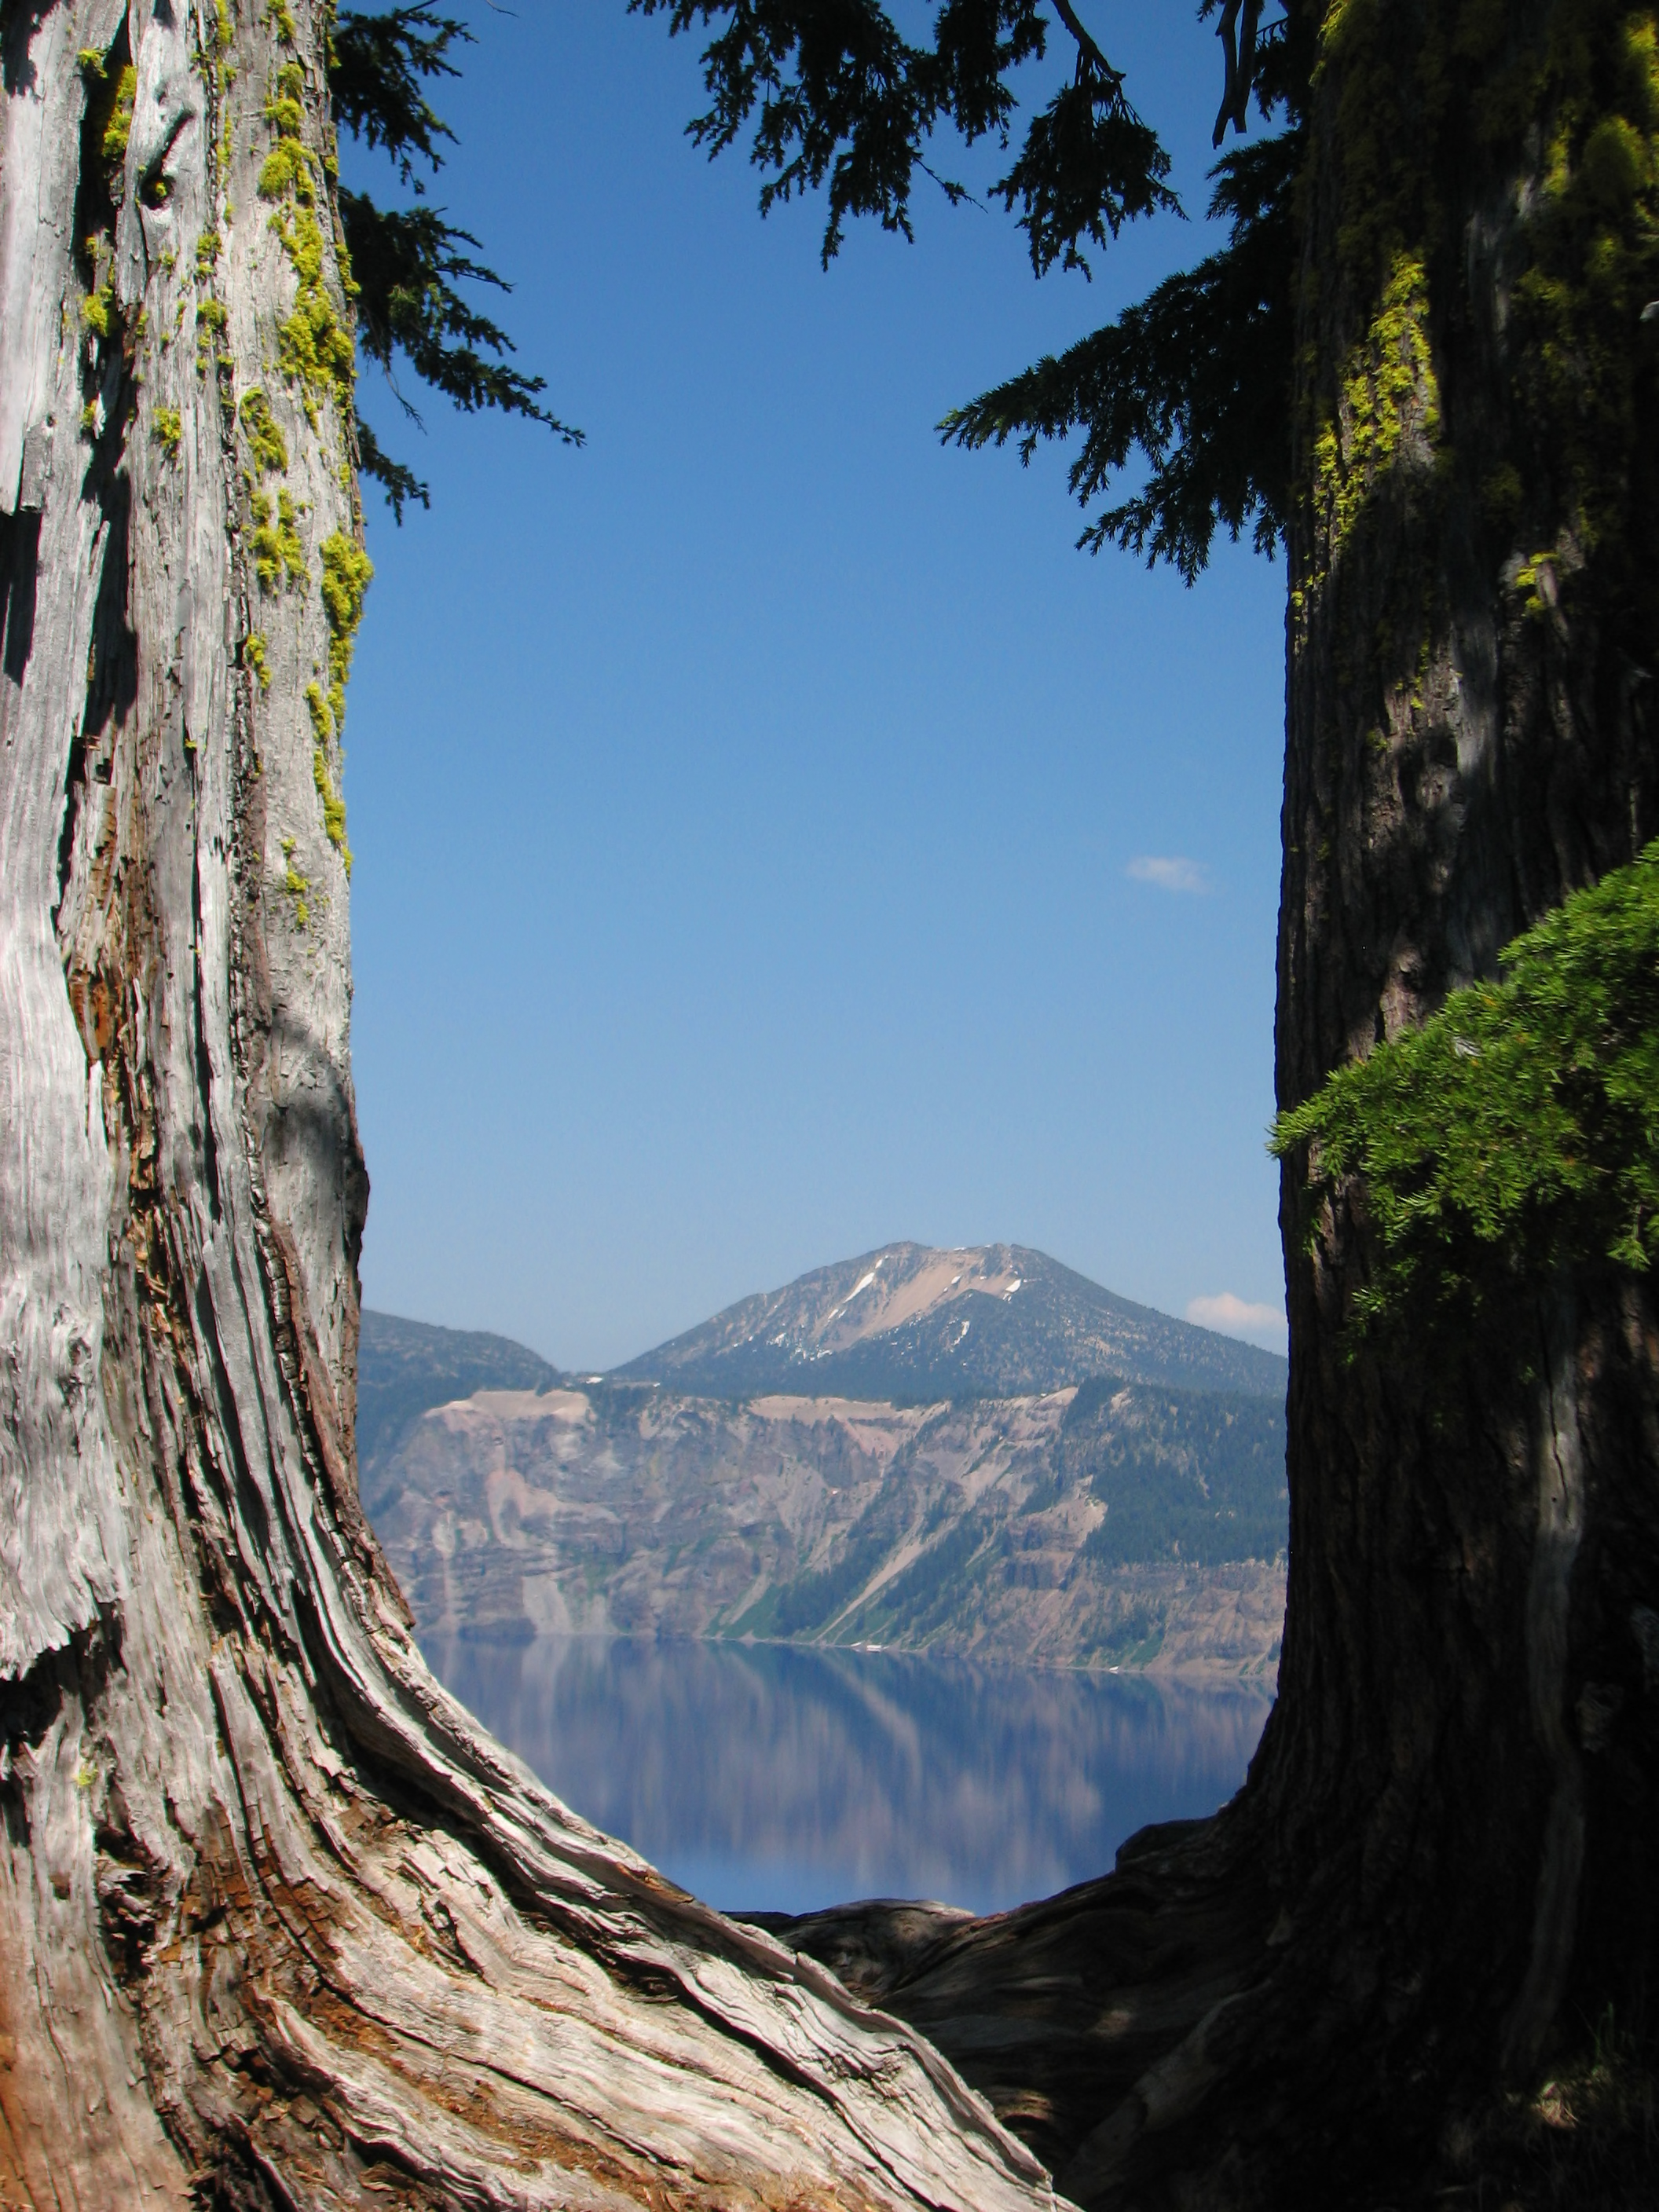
(278, 1922)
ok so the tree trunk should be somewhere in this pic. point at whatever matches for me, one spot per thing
(279, 1925)
(1444, 1867)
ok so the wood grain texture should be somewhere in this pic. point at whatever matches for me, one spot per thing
(279, 1924)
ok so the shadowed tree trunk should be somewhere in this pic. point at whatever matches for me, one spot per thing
(279, 1925)
(1445, 1864)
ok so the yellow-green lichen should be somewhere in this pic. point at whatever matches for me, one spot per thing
(322, 722)
(295, 885)
(1536, 581)
(290, 169)
(277, 552)
(334, 813)
(1564, 102)
(314, 342)
(1393, 95)
(90, 60)
(98, 308)
(167, 429)
(207, 252)
(117, 122)
(223, 22)
(253, 657)
(1370, 417)
(347, 573)
(209, 319)
(280, 16)
(1389, 392)
(263, 433)
(315, 346)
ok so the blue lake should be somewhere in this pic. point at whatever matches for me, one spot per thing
(770, 1778)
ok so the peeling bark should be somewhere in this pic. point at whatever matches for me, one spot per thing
(279, 1925)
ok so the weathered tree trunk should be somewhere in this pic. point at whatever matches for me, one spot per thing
(1445, 1865)
(278, 1923)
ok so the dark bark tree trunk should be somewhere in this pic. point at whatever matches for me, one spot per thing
(279, 1925)
(1445, 1864)
(276, 1922)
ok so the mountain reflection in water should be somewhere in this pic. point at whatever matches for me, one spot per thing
(768, 1777)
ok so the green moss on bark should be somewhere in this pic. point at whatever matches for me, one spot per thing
(347, 573)
(263, 433)
(116, 119)
(277, 552)
(314, 342)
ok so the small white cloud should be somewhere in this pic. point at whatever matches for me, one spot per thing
(1168, 875)
(1235, 1316)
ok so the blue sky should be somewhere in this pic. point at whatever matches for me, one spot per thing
(772, 837)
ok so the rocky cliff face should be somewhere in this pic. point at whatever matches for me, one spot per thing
(1109, 1524)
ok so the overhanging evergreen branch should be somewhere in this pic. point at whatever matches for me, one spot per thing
(404, 260)
(1089, 166)
(407, 263)
(1196, 378)
(1516, 1131)
(838, 98)
(376, 63)
(398, 481)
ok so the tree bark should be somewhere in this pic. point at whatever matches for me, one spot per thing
(1444, 1867)
(279, 1925)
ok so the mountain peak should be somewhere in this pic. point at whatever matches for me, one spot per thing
(921, 1322)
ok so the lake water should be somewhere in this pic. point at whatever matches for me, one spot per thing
(770, 1778)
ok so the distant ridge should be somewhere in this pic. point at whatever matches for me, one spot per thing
(404, 1368)
(911, 1322)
